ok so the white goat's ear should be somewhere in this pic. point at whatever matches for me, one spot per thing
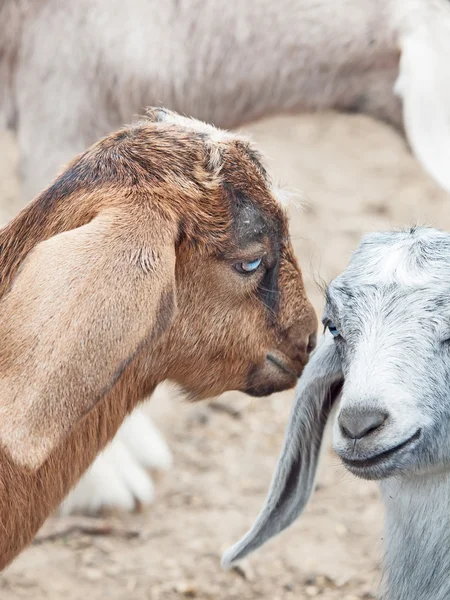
(424, 86)
(293, 482)
(81, 306)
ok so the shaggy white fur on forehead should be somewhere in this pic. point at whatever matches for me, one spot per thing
(414, 258)
(288, 198)
(215, 135)
(219, 136)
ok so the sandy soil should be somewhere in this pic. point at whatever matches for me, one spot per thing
(356, 176)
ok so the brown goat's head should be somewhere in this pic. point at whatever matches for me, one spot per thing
(162, 244)
(243, 320)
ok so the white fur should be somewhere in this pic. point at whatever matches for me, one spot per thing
(217, 136)
(289, 198)
(393, 315)
(398, 261)
(390, 312)
(417, 525)
(119, 478)
(246, 60)
(424, 81)
(145, 442)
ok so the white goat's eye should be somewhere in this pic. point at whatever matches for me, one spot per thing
(248, 267)
(333, 329)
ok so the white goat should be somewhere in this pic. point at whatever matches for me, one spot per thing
(71, 72)
(386, 355)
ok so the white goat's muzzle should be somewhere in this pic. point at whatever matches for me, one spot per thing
(372, 442)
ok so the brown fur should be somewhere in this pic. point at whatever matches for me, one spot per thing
(119, 276)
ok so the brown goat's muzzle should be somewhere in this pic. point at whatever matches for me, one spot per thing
(283, 365)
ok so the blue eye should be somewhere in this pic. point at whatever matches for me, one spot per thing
(333, 330)
(248, 267)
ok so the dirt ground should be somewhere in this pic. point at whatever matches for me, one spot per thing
(355, 175)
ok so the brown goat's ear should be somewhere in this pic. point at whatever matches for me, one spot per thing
(293, 481)
(81, 306)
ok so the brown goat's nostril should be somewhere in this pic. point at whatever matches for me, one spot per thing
(312, 341)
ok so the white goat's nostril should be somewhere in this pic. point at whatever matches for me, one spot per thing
(356, 423)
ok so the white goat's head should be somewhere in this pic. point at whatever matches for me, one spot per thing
(386, 354)
(389, 315)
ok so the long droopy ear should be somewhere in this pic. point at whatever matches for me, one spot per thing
(424, 86)
(293, 482)
(80, 307)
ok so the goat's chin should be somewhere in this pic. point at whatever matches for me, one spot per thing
(392, 461)
(275, 373)
(267, 389)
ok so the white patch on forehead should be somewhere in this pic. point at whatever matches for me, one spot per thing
(215, 135)
(395, 264)
(413, 258)
(215, 139)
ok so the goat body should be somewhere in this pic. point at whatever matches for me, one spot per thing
(417, 556)
(224, 61)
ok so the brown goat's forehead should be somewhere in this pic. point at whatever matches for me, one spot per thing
(213, 182)
(261, 222)
(251, 221)
(243, 169)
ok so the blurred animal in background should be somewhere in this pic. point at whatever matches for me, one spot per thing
(121, 475)
(384, 362)
(72, 72)
(160, 253)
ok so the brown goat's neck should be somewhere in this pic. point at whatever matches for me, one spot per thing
(27, 498)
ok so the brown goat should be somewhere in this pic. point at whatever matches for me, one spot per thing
(71, 72)
(159, 253)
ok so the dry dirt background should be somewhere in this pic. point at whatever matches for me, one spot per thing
(356, 175)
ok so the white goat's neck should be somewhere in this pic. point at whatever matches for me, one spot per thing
(417, 561)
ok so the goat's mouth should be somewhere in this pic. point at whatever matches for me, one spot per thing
(282, 365)
(276, 374)
(381, 465)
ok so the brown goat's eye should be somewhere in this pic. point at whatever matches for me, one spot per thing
(248, 267)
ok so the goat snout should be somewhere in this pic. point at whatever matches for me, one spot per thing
(312, 343)
(357, 423)
(302, 348)
(299, 350)
(282, 366)
(299, 340)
